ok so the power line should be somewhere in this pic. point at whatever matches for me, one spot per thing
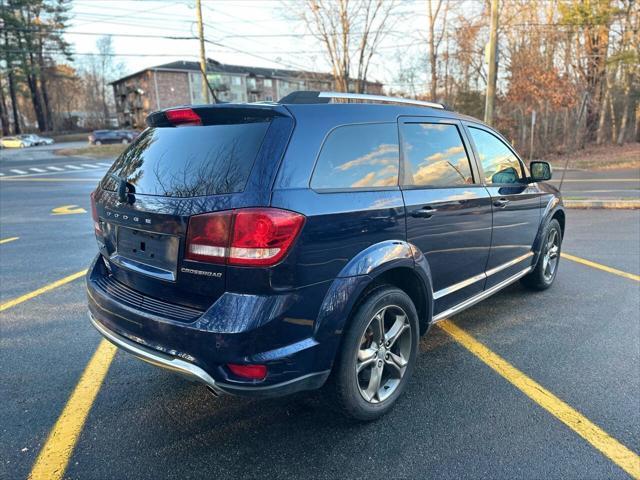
(128, 35)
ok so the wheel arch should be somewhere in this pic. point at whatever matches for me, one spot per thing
(393, 262)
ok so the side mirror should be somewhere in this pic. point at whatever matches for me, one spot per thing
(540, 171)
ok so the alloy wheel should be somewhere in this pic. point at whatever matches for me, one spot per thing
(551, 254)
(383, 356)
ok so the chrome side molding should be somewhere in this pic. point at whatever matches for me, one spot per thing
(481, 296)
(481, 276)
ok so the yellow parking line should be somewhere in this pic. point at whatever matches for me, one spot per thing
(7, 240)
(599, 266)
(58, 283)
(53, 458)
(626, 459)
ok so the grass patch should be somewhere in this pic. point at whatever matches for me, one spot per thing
(600, 157)
(69, 137)
(93, 151)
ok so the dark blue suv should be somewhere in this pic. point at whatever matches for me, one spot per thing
(263, 249)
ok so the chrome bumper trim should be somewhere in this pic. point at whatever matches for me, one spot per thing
(156, 358)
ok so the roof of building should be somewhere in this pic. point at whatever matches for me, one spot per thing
(214, 66)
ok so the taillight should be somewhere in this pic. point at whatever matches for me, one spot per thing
(251, 372)
(183, 116)
(248, 236)
(94, 214)
(208, 237)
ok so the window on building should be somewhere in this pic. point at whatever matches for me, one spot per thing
(268, 83)
(434, 155)
(251, 82)
(268, 98)
(236, 80)
(372, 161)
(499, 163)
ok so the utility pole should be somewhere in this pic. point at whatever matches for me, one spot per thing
(203, 57)
(493, 65)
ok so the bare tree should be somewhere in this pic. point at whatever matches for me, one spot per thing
(435, 38)
(351, 31)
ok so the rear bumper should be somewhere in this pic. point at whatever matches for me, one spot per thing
(194, 350)
(197, 374)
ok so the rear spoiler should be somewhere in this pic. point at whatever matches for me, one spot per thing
(218, 114)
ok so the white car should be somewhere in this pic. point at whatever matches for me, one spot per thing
(36, 139)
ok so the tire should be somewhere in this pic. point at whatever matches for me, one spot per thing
(98, 142)
(545, 271)
(124, 141)
(347, 389)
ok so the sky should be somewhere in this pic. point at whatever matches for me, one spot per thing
(261, 33)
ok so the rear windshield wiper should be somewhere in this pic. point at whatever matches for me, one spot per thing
(125, 189)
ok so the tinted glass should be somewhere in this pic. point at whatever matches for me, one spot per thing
(359, 156)
(499, 163)
(190, 161)
(434, 155)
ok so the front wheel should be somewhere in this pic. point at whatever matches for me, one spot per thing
(377, 356)
(545, 271)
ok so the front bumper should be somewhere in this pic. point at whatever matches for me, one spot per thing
(195, 350)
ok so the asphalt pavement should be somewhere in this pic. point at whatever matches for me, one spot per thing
(458, 419)
(621, 184)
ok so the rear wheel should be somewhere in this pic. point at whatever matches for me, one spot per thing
(124, 141)
(377, 356)
(545, 271)
(98, 142)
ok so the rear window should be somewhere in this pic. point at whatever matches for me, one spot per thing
(358, 156)
(190, 161)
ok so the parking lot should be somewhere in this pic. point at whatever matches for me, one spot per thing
(523, 385)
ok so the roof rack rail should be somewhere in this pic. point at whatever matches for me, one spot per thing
(379, 98)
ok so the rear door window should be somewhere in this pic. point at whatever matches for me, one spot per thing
(190, 161)
(434, 155)
(361, 156)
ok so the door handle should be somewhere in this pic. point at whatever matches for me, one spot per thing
(424, 212)
(500, 203)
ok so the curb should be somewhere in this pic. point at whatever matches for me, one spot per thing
(605, 204)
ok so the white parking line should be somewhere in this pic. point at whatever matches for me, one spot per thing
(19, 172)
(89, 165)
(56, 169)
(104, 164)
(39, 170)
(73, 167)
(1, 174)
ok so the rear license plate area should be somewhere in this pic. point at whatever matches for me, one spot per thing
(148, 253)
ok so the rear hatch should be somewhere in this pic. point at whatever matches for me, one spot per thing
(188, 162)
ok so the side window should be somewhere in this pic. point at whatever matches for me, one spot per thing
(434, 155)
(358, 156)
(499, 163)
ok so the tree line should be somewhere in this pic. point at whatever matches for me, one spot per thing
(42, 85)
(568, 70)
